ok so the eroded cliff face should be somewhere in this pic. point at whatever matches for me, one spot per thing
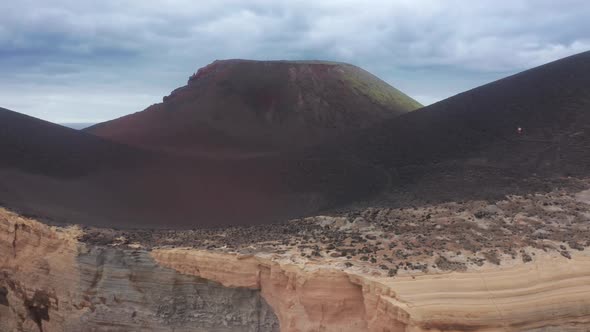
(551, 294)
(37, 275)
(304, 299)
(51, 282)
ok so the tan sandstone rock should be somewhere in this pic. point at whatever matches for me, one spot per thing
(551, 293)
(49, 282)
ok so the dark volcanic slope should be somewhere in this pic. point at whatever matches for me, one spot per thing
(254, 106)
(71, 176)
(473, 138)
(42, 147)
(465, 147)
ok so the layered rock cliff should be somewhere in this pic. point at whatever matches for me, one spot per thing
(71, 279)
(552, 294)
(51, 282)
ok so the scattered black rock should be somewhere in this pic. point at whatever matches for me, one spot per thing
(392, 272)
(3, 296)
(446, 265)
(38, 308)
(483, 214)
(526, 257)
(492, 257)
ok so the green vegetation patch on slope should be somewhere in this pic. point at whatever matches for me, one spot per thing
(377, 90)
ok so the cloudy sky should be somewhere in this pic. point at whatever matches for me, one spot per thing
(89, 61)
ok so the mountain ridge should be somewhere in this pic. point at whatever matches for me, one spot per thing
(468, 146)
(249, 105)
(532, 127)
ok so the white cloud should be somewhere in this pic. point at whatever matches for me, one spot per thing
(118, 49)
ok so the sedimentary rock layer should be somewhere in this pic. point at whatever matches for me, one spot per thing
(51, 282)
(550, 294)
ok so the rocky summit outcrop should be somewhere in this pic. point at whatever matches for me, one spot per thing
(237, 107)
(51, 282)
